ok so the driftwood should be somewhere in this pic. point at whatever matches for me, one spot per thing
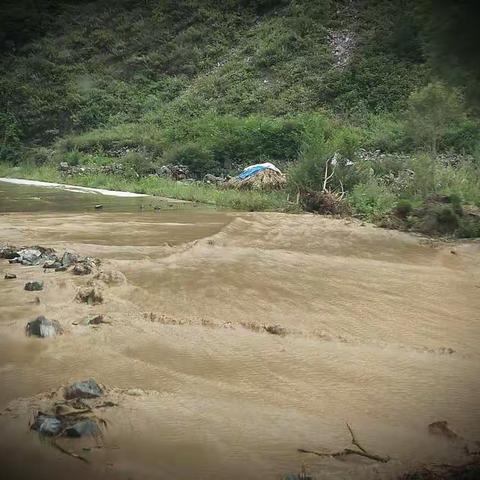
(360, 451)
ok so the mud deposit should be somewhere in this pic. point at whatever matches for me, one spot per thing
(232, 340)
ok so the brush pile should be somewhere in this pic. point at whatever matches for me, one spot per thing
(267, 180)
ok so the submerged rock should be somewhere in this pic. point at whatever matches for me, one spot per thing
(48, 425)
(83, 428)
(34, 286)
(441, 428)
(42, 327)
(10, 276)
(90, 295)
(83, 389)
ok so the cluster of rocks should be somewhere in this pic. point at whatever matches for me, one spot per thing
(174, 172)
(49, 259)
(73, 416)
(377, 156)
(111, 169)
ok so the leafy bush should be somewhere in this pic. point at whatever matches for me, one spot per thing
(199, 160)
(371, 199)
(432, 111)
(403, 208)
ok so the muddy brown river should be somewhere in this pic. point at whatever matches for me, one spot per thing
(380, 329)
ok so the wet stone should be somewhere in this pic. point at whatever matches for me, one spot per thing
(47, 425)
(52, 264)
(10, 276)
(83, 389)
(35, 286)
(30, 256)
(42, 327)
(8, 252)
(69, 258)
(83, 428)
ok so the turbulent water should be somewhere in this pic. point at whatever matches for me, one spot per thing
(380, 329)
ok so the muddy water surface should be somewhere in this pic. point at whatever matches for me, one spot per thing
(381, 330)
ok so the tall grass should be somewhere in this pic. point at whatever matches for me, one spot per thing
(191, 191)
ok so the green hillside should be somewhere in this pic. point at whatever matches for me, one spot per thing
(217, 85)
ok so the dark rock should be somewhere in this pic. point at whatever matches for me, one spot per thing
(47, 425)
(52, 264)
(212, 179)
(34, 286)
(68, 259)
(9, 252)
(83, 428)
(30, 256)
(10, 276)
(83, 389)
(42, 327)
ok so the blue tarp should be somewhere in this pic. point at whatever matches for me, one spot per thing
(254, 169)
(251, 171)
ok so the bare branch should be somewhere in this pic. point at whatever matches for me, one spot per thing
(361, 452)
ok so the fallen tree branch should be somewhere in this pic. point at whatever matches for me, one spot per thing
(349, 451)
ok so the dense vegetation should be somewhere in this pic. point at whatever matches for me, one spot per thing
(217, 85)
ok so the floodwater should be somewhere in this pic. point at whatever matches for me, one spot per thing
(382, 330)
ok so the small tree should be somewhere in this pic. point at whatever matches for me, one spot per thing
(432, 110)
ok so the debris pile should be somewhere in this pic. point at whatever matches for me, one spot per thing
(175, 172)
(261, 176)
(73, 415)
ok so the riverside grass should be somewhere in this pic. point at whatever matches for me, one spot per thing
(195, 192)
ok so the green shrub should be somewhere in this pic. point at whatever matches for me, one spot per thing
(432, 112)
(199, 160)
(403, 208)
(138, 163)
(371, 199)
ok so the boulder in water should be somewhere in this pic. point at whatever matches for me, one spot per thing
(9, 252)
(30, 256)
(42, 327)
(47, 425)
(68, 259)
(83, 428)
(83, 389)
(35, 286)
